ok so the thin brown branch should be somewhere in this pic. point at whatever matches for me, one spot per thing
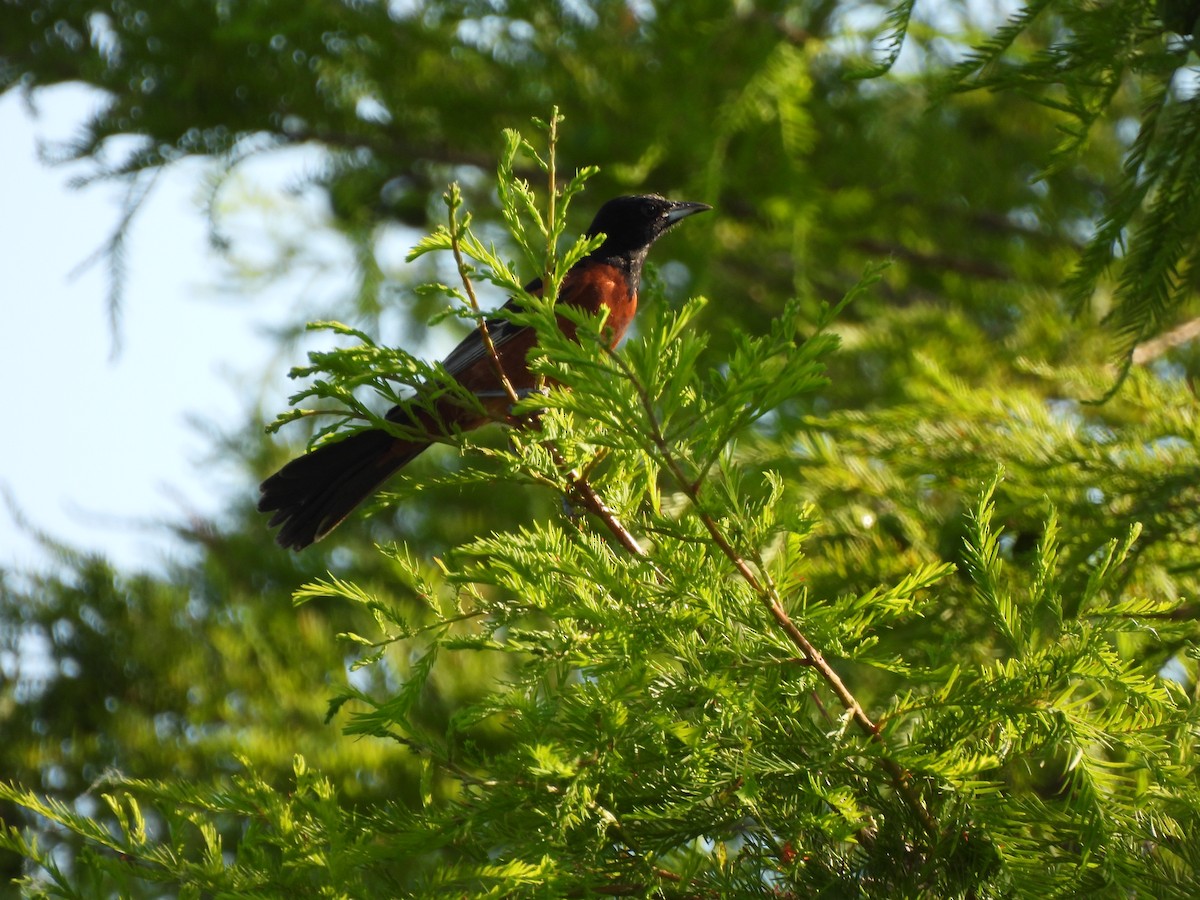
(552, 177)
(581, 489)
(1149, 351)
(480, 318)
(761, 584)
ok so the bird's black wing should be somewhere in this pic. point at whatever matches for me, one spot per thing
(471, 349)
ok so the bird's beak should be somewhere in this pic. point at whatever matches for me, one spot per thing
(684, 208)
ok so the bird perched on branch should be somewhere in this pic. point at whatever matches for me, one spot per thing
(313, 493)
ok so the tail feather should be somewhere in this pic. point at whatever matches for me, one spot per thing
(313, 493)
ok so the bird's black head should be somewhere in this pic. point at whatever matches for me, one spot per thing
(631, 224)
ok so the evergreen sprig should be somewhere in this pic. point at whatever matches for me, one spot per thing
(703, 684)
(1088, 62)
(1147, 228)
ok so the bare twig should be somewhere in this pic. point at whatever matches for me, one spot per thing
(480, 318)
(581, 489)
(1152, 349)
(552, 177)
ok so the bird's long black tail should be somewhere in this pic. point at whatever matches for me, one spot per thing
(316, 491)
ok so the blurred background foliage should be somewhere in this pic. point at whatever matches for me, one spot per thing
(989, 177)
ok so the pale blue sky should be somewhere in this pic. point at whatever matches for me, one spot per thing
(97, 449)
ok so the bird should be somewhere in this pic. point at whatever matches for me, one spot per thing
(312, 494)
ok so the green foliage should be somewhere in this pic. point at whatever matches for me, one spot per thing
(809, 589)
(1149, 224)
(815, 175)
(300, 841)
(681, 703)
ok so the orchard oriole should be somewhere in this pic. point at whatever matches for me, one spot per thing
(313, 493)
